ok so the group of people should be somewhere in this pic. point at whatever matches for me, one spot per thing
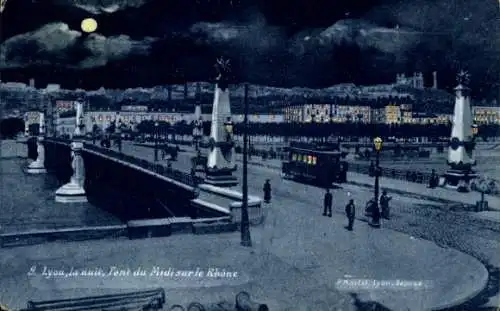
(350, 208)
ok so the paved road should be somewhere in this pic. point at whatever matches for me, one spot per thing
(419, 218)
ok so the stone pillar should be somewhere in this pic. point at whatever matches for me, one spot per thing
(73, 192)
(221, 161)
(79, 120)
(198, 125)
(460, 151)
(38, 166)
(26, 126)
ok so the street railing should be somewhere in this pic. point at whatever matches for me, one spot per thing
(160, 169)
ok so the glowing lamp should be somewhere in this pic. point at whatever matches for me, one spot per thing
(228, 126)
(475, 129)
(378, 143)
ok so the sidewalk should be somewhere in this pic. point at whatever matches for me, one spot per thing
(292, 266)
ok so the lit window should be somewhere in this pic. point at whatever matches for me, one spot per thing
(314, 160)
(294, 157)
(309, 159)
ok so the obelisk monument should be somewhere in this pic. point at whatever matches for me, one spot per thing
(460, 151)
(74, 192)
(221, 162)
(38, 166)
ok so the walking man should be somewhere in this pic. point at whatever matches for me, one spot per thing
(350, 212)
(384, 204)
(267, 191)
(327, 203)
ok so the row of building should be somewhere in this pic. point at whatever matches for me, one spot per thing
(390, 114)
(324, 113)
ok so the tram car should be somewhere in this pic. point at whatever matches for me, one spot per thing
(320, 164)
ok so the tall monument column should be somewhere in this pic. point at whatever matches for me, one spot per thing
(73, 192)
(38, 166)
(221, 162)
(460, 151)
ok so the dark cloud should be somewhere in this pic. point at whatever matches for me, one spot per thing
(102, 6)
(304, 43)
(58, 44)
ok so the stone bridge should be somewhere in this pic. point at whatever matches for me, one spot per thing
(151, 197)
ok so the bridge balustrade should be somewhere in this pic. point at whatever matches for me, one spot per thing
(160, 169)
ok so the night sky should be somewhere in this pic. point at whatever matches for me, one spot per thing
(312, 43)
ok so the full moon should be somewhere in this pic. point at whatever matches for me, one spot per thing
(89, 25)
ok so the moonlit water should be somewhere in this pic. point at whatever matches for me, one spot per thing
(28, 202)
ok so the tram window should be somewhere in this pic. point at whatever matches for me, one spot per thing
(314, 159)
(309, 159)
(294, 157)
(304, 158)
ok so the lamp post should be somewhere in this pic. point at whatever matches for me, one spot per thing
(246, 239)
(119, 135)
(376, 211)
(475, 130)
(156, 140)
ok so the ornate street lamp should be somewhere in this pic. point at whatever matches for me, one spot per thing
(228, 127)
(376, 212)
(156, 140)
(475, 130)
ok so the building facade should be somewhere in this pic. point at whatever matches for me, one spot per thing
(486, 115)
(392, 114)
(65, 126)
(103, 119)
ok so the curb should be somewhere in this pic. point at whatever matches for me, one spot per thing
(135, 229)
(398, 191)
(64, 234)
(466, 298)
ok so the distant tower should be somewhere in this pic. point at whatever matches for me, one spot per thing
(32, 83)
(420, 80)
(414, 80)
(434, 80)
(169, 91)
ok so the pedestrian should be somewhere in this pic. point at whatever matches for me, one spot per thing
(350, 211)
(433, 180)
(267, 191)
(327, 204)
(384, 204)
